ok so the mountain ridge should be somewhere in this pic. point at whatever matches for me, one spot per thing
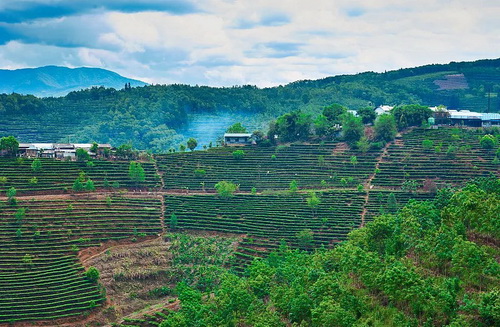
(54, 80)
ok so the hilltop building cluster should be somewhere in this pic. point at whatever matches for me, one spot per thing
(444, 116)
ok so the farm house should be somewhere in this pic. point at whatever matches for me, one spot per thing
(235, 139)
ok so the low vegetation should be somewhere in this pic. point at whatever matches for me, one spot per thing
(428, 264)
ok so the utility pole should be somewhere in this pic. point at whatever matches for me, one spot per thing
(489, 98)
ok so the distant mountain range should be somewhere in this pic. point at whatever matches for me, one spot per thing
(59, 81)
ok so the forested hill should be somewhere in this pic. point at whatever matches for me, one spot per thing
(151, 117)
(59, 81)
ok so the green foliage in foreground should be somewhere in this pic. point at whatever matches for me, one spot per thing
(431, 264)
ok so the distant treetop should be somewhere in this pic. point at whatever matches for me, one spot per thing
(236, 128)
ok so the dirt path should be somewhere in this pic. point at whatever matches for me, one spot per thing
(159, 173)
(162, 215)
(368, 184)
(88, 254)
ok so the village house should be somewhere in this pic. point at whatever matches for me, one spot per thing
(235, 139)
(380, 110)
(57, 150)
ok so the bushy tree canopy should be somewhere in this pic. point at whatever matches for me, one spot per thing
(385, 128)
(10, 145)
(236, 128)
(411, 115)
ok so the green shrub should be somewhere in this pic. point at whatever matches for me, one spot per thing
(488, 141)
(92, 274)
(427, 144)
(200, 173)
(226, 189)
(238, 154)
(36, 165)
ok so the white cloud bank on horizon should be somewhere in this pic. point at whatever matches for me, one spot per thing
(231, 42)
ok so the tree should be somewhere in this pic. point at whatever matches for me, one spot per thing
(291, 127)
(409, 186)
(385, 128)
(182, 148)
(352, 128)
(305, 238)
(77, 185)
(92, 274)
(238, 154)
(411, 115)
(363, 145)
(10, 145)
(236, 128)
(82, 155)
(124, 151)
(354, 161)
(226, 189)
(11, 192)
(293, 186)
(36, 165)
(94, 147)
(192, 143)
(367, 114)
(334, 113)
(89, 185)
(392, 204)
(427, 144)
(468, 260)
(258, 136)
(313, 202)
(488, 141)
(136, 172)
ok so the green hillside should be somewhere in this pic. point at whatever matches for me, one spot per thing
(151, 117)
(434, 263)
(318, 234)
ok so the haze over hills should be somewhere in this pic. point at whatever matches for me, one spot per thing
(59, 81)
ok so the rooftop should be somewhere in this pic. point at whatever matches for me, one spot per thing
(237, 135)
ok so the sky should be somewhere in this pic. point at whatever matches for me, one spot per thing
(236, 42)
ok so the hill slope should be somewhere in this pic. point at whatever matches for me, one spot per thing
(59, 81)
(153, 116)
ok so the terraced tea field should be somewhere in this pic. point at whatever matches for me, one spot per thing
(270, 168)
(58, 175)
(40, 276)
(453, 156)
(378, 201)
(40, 237)
(266, 220)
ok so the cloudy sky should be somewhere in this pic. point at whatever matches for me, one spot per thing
(232, 42)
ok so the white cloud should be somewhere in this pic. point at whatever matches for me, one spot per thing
(262, 42)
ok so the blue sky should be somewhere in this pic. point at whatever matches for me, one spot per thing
(234, 42)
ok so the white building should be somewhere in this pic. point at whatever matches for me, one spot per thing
(383, 109)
